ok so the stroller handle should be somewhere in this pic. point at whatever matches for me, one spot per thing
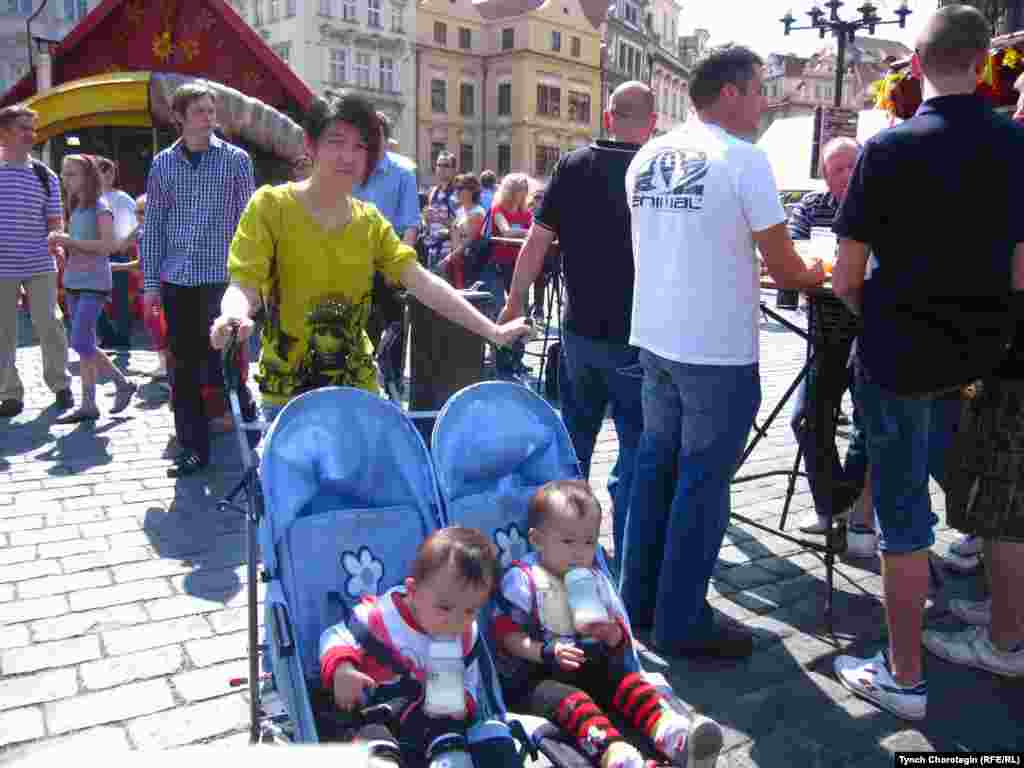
(230, 361)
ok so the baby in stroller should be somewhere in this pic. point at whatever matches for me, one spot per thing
(417, 647)
(564, 643)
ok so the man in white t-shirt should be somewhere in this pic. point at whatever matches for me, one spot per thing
(701, 197)
(115, 330)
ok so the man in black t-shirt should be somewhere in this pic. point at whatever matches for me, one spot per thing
(934, 199)
(585, 207)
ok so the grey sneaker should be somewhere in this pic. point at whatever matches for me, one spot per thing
(968, 546)
(961, 564)
(977, 613)
(973, 648)
(861, 543)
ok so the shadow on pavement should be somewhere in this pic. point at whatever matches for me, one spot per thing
(195, 532)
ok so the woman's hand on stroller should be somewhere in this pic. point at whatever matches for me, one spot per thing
(223, 326)
(569, 656)
(351, 687)
(507, 333)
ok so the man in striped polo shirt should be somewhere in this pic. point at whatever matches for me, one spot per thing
(30, 208)
(195, 195)
(818, 209)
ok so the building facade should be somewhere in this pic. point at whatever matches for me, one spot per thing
(506, 85)
(795, 85)
(361, 45)
(625, 55)
(56, 20)
(669, 74)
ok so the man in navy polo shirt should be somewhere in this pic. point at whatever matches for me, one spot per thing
(585, 207)
(932, 243)
(392, 188)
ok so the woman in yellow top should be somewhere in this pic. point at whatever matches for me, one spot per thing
(308, 250)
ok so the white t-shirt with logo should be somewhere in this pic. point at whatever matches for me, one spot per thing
(696, 196)
(123, 206)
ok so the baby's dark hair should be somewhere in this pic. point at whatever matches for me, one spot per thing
(469, 551)
(574, 496)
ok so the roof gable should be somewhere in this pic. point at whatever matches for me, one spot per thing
(202, 38)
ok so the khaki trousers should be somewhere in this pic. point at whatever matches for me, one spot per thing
(49, 325)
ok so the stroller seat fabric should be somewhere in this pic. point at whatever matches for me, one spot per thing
(349, 496)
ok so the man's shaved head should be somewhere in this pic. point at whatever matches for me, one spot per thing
(632, 100)
(952, 41)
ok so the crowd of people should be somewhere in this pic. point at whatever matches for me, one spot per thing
(662, 242)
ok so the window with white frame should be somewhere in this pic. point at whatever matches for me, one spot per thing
(373, 13)
(75, 9)
(388, 75)
(327, 8)
(348, 10)
(504, 99)
(675, 104)
(396, 19)
(438, 95)
(363, 70)
(289, 8)
(579, 107)
(283, 51)
(504, 159)
(631, 12)
(467, 99)
(274, 10)
(338, 71)
(556, 40)
(257, 12)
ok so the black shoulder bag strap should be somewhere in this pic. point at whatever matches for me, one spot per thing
(41, 173)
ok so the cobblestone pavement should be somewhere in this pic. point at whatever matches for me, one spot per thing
(122, 601)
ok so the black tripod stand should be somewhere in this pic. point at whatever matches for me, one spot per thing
(554, 299)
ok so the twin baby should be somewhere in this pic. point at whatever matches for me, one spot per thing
(565, 649)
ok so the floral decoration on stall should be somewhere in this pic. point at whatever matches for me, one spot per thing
(899, 92)
(162, 45)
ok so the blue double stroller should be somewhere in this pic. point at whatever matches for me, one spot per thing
(346, 492)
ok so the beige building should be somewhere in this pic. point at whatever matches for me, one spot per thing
(508, 85)
(363, 45)
(55, 21)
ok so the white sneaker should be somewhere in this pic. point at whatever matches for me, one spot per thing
(977, 613)
(694, 743)
(968, 546)
(861, 544)
(973, 648)
(871, 679)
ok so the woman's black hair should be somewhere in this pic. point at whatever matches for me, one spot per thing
(347, 107)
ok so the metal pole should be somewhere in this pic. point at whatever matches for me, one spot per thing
(840, 33)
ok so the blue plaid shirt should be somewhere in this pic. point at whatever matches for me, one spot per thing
(192, 214)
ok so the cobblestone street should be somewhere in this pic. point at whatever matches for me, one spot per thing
(122, 599)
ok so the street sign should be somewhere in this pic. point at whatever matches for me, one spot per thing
(830, 123)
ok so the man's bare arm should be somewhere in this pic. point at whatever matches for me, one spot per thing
(1018, 262)
(848, 274)
(784, 264)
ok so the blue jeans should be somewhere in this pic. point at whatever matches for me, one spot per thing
(907, 439)
(828, 379)
(593, 374)
(696, 422)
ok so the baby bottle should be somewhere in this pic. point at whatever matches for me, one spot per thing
(445, 686)
(584, 599)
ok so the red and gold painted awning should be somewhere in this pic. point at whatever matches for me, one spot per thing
(200, 38)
